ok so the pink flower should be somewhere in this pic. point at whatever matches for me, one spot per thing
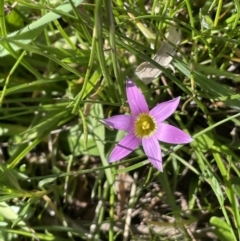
(145, 127)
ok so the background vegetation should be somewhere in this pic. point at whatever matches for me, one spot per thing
(63, 68)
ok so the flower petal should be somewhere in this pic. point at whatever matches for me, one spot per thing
(153, 151)
(163, 110)
(136, 99)
(124, 147)
(120, 122)
(171, 134)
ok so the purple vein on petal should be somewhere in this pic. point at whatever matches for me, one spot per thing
(124, 147)
(171, 134)
(163, 110)
(152, 149)
(135, 99)
(120, 122)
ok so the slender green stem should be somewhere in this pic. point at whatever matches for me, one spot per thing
(3, 92)
(219, 9)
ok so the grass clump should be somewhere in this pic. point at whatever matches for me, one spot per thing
(63, 69)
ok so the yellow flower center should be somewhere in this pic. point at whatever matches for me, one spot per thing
(145, 125)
